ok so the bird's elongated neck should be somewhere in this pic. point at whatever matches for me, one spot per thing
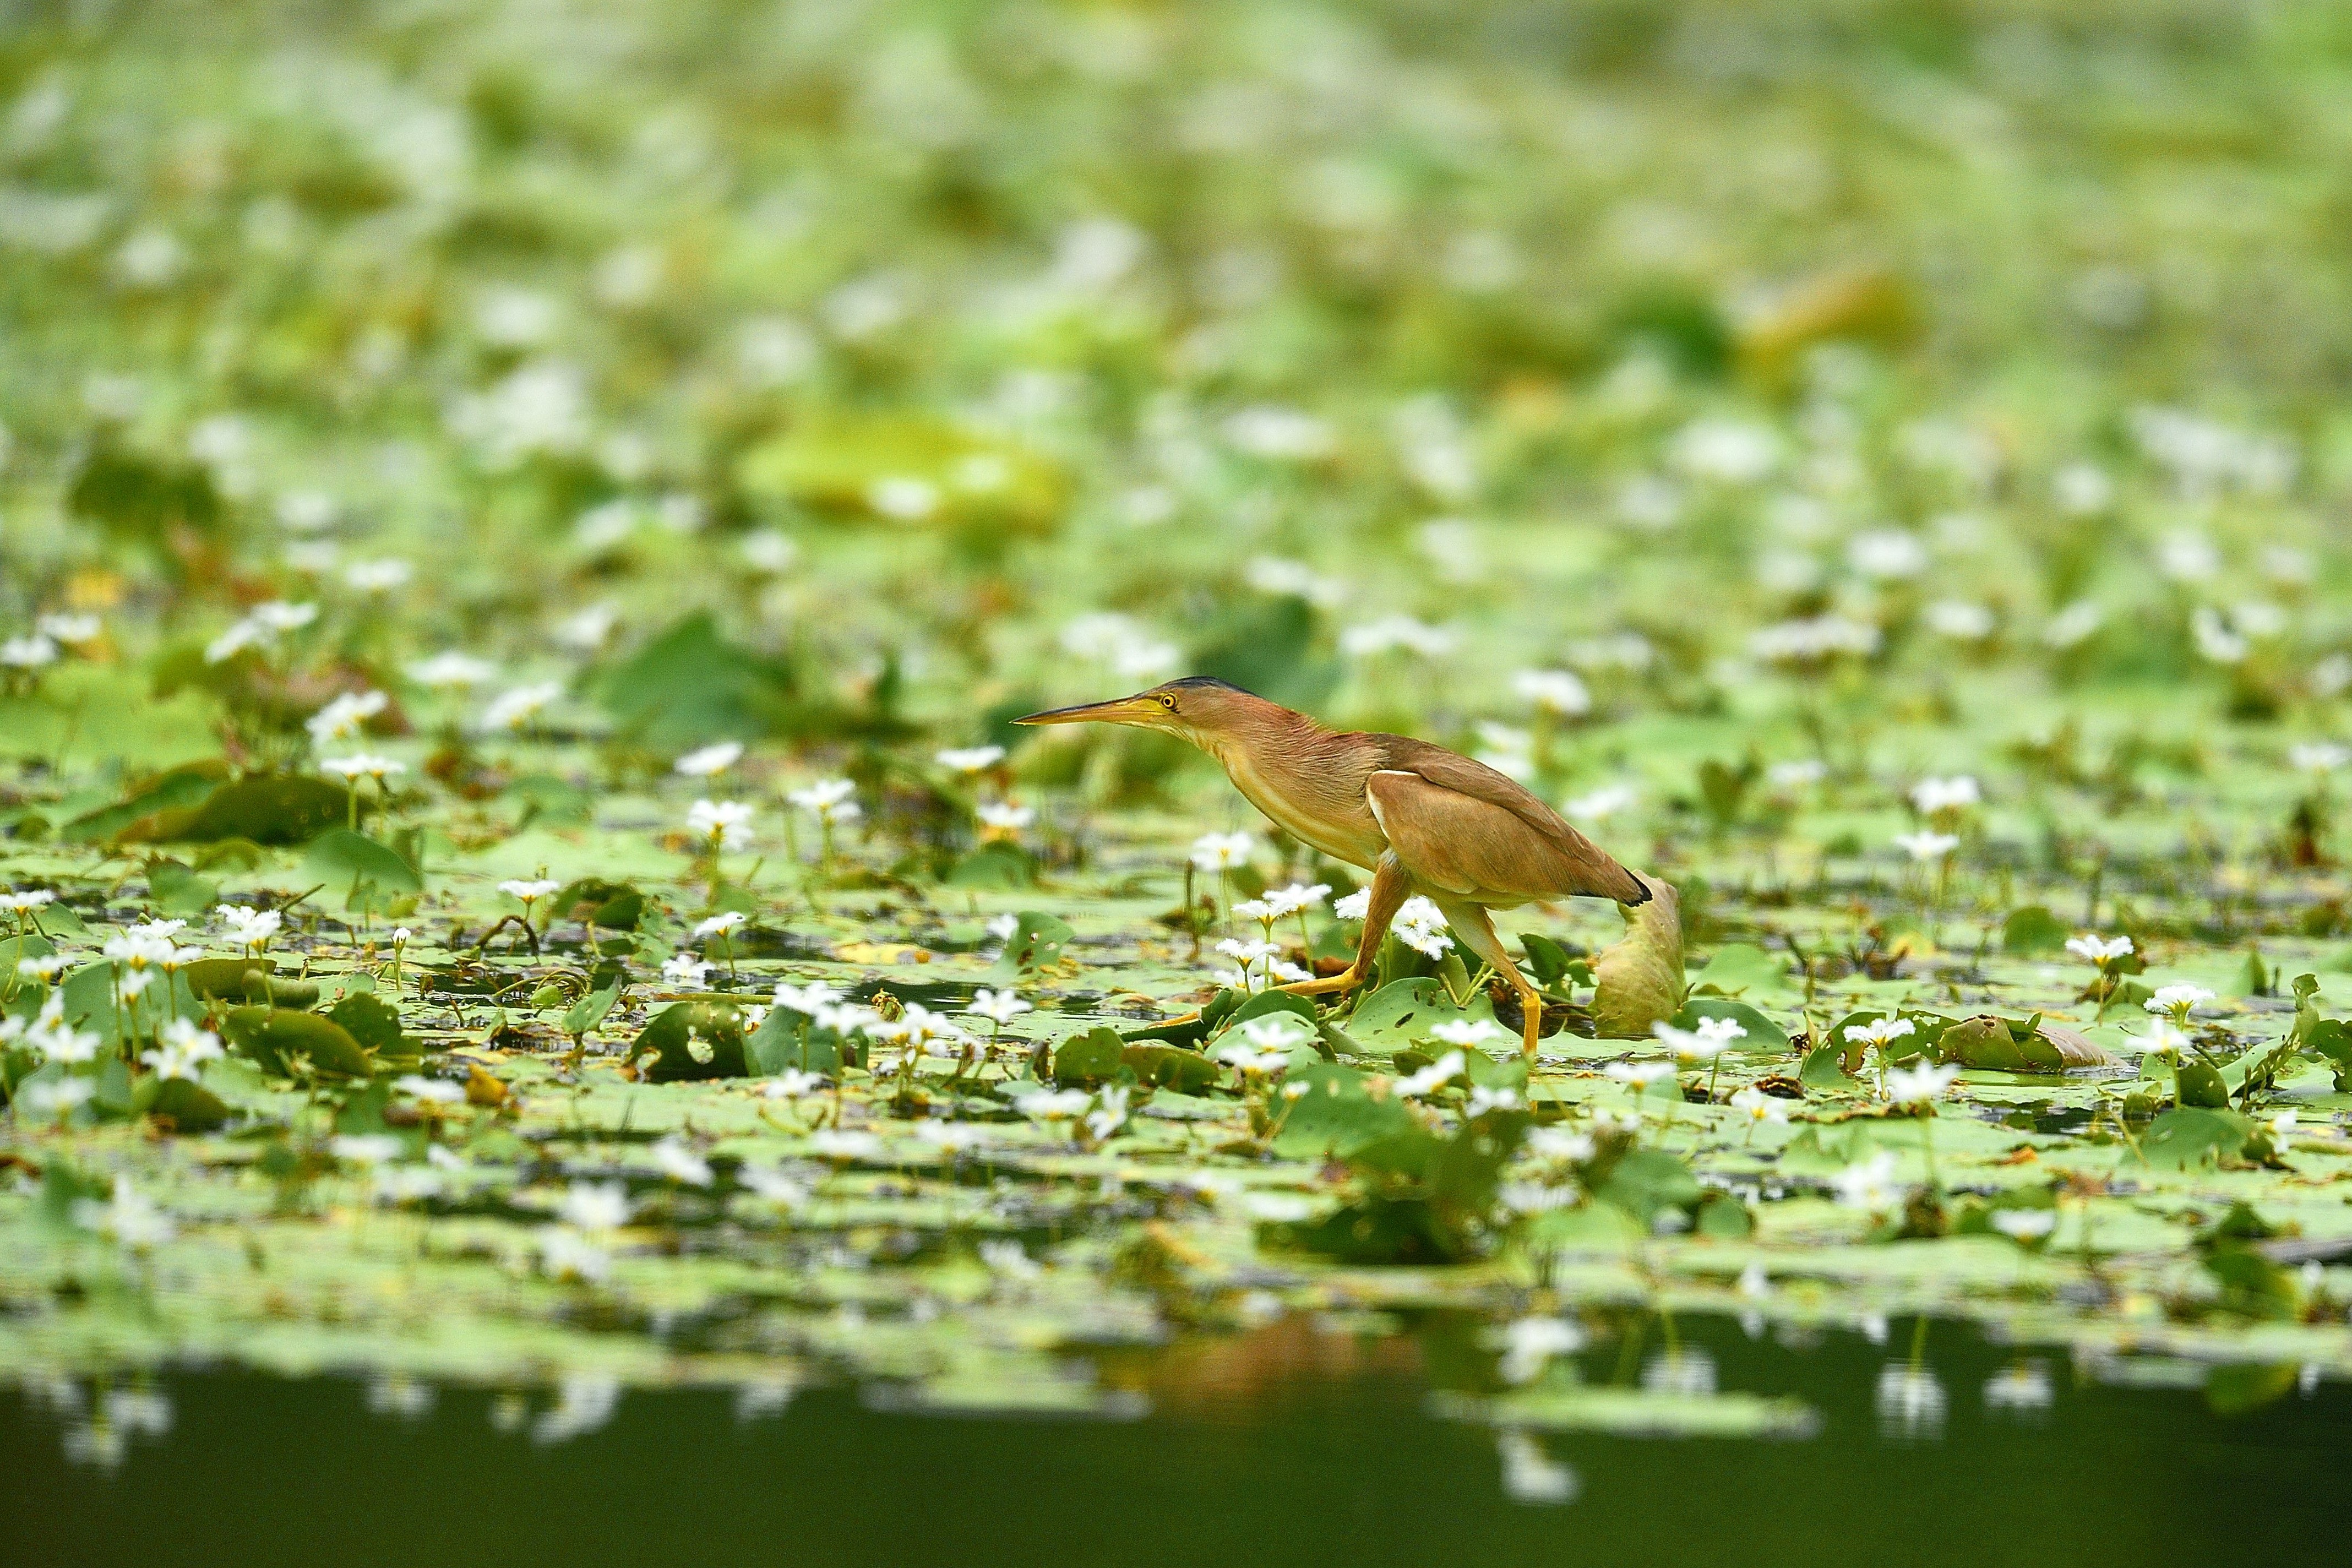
(1307, 780)
(1271, 741)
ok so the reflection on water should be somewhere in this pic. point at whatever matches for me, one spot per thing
(1307, 1440)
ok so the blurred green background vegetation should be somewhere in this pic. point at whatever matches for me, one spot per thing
(957, 358)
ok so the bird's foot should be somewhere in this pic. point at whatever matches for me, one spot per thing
(1346, 980)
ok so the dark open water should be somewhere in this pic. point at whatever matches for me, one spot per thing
(1288, 1447)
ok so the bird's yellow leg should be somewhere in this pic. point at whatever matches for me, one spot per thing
(1471, 923)
(1390, 885)
(1347, 979)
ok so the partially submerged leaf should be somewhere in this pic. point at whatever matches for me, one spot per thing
(1763, 1035)
(353, 863)
(295, 1045)
(692, 1040)
(1335, 1117)
(1741, 969)
(187, 785)
(2193, 1137)
(1036, 941)
(370, 1021)
(290, 809)
(1638, 980)
(1085, 1060)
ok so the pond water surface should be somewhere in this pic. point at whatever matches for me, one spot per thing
(1293, 1445)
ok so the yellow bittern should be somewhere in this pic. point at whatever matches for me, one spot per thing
(1421, 818)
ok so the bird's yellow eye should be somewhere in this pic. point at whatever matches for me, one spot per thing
(1168, 702)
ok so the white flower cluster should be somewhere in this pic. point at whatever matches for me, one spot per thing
(260, 628)
(1813, 639)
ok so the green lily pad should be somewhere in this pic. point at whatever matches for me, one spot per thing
(692, 1040)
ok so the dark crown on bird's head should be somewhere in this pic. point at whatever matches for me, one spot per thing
(1203, 683)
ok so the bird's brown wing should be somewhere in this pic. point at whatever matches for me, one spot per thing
(1461, 827)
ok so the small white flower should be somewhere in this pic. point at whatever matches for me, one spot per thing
(680, 1163)
(513, 709)
(2214, 637)
(1053, 1105)
(999, 1008)
(1109, 1113)
(344, 717)
(1927, 845)
(1355, 906)
(361, 764)
(707, 761)
(793, 1084)
(1869, 1185)
(1887, 555)
(1003, 817)
(249, 928)
(770, 1185)
(2073, 625)
(1605, 802)
(1466, 1032)
(1420, 925)
(2024, 1225)
(1008, 1259)
(2100, 951)
(378, 577)
(181, 1049)
(366, 1148)
(451, 672)
(71, 631)
(28, 652)
(848, 1144)
(130, 1218)
(1214, 852)
(1879, 1032)
(1297, 896)
(2166, 1040)
(685, 968)
(971, 759)
(1530, 1343)
(724, 824)
(1932, 795)
(1960, 620)
(1483, 1100)
(1808, 641)
(2176, 1001)
(586, 630)
(718, 924)
(1758, 1106)
(528, 891)
(1917, 1086)
(2319, 756)
(592, 1207)
(1561, 1144)
(1282, 1032)
(808, 999)
(828, 800)
(28, 901)
(1253, 1060)
(1702, 1044)
(1432, 1078)
(59, 1097)
(434, 1090)
(1640, 1076)
(1417, 637)
(1555, 691)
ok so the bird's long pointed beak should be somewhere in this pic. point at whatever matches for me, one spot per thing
(1118, 711)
